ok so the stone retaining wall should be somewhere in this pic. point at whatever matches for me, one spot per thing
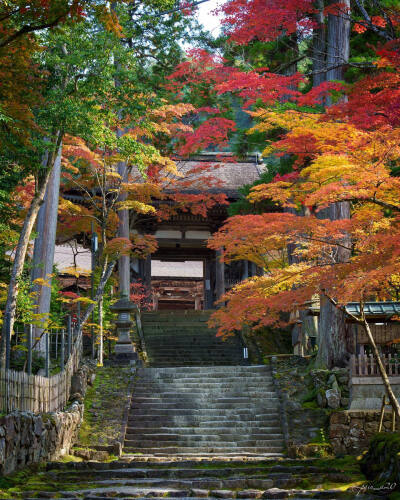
(351, 431)
(26, 438)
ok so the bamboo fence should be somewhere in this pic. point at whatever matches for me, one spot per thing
(363, 365)
(20, 391)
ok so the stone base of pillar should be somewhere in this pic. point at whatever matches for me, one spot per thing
(125, 354)
(124, 348)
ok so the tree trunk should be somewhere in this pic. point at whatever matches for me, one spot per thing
(105, 276)
(100, 346)
(319, 44)
(333, 344)
(43, 256)
(123, 232)
(22, 246)
(338, 42)
(333, 347)
(385, 379)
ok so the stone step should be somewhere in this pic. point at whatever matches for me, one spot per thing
(205, 433)
(232, 380)
(232, 428)
(172, 398)
(199, 395)
(203, 354)
(158, 423)
(203, 372)
(265, 445)
(201, 389)
(188, 349)
(193, 404)
(249, 369)
(152, 422)
(224, 414)
(211, 437)
(144, 472)
(194, 450)
(243, 385)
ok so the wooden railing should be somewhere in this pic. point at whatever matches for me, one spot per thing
(20, 391)
(363, 365)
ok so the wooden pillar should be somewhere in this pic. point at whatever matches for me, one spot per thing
(208, 293)
(43, 254)
(219, 275)
(197, 303)
(155, 301)
(123, 232)
(147, 273)
(253, 269)
(245, 271)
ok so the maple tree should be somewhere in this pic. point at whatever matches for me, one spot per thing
(70, 70)
(278, 98)
(348, 154)
(154, 185)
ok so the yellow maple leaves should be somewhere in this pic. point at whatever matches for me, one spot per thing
(136, 206)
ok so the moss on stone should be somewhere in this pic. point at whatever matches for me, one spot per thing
(105, 403)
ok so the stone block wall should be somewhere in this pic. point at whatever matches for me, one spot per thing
(351, 431)
(367, 392)
(26, 438)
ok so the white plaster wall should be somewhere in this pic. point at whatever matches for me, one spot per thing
(168, 233)
(197, 235)
(187, 269)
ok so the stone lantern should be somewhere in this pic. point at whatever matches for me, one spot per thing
(124, 348)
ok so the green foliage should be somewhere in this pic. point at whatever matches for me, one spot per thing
(310, 396)
(18, 361)
(273, 166)
(57, 312)
(381, 463)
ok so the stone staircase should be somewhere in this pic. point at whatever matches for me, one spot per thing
(205, 411)
(182, 338)
(195, 479)
(201, 425)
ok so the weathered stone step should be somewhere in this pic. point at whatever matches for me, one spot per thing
(194, 404)
(187, 420)
(133, 439)
(222, 450)
(209, 430)
(172, 399)
(211, 377)
(211, 394)
(232, 380)
(209, 413)
(195, 353)
(189, 388)
(249, 370)
(196, 441)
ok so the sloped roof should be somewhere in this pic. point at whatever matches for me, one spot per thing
(229, 175)
(386, 309)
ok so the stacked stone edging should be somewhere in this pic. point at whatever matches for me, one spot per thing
(26, 438)
(351, 431)
(282, 402)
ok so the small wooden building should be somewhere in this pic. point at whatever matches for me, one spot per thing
(183, 238)
(383, 318)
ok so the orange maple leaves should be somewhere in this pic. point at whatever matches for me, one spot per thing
(347, 154)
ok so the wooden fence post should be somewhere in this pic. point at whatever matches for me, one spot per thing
(29, 340)
(8, 340)
(62, 350)
(69, 336)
